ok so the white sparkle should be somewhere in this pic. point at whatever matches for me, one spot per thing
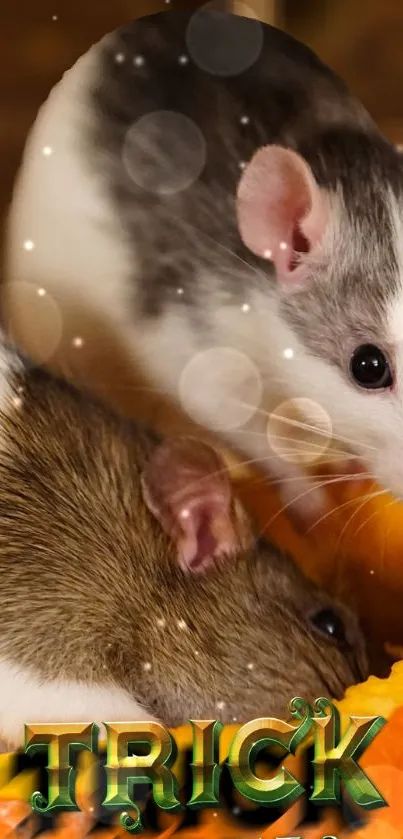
(236, 811)
(283, 246)
(268, 254)
(161, 622)
(220, 706)
(242, 164)
(244, 120)
(139, 61)
(47, 151)
(104, 667)
(372, 572)
(78, 342)
(251, 666)
(180, 291)
(197, 653)
(215, 815)
(54, 17)
(183, 59)
(184, 514)
(109, 646)
(182, 624)
(91, 809)
(20, 389)
(41, 292)
(234, 719)
(288, 353)
(17, 402)
(29, 245)
(147, 666)
(120, 58)
(246, 307)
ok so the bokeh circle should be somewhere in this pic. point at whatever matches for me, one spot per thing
(164, 152)
(299, 431)
(224, 44)
(221, 387)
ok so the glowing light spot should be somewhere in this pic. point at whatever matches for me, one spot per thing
(78, 342)
(183, 59)
(220, 706)
(246, 307)
(288, 353)
(251, 666)
(17, 402)
(161, 623)
(147, 666)
(55, 17)
(242, 164)
(225, 45)
(184, 514)
(120, 58)
(245, 120)
(139, 61)
(41, 292)
(197, 653)
(182, 624)
(180, 291)
(152, 145)
(299, 431)
(283, 246)
(29, 245)
(268, 254)
(47, 151)
(221, 387)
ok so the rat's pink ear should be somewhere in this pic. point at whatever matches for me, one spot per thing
(187, 488)
(281, 210)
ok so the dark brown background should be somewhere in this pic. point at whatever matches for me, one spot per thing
(362, 39)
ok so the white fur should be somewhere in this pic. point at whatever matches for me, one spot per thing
(25, 699)
(80, 250)
(9, 399)
(58, 200)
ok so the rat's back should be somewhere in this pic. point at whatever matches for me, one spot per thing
(127, 188)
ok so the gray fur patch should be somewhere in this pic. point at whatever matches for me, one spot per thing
(289, 97)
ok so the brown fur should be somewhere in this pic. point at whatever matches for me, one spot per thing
(87, 573)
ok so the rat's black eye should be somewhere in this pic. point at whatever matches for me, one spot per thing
(370, 368)
(329, 623)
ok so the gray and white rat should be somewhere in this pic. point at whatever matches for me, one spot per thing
(205, 182)
(131, 586)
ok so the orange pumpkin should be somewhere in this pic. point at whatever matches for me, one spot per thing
(356, 551)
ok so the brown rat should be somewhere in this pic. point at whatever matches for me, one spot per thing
(130, 585)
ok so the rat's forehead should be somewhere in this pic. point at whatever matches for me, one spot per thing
(332, 321)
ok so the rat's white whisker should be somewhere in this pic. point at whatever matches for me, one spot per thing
(306, 492)
(391, 503)
(303, 425)
(252, 268)
(332, 511)
(367, 498)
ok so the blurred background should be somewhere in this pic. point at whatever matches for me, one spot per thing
(40, 39)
